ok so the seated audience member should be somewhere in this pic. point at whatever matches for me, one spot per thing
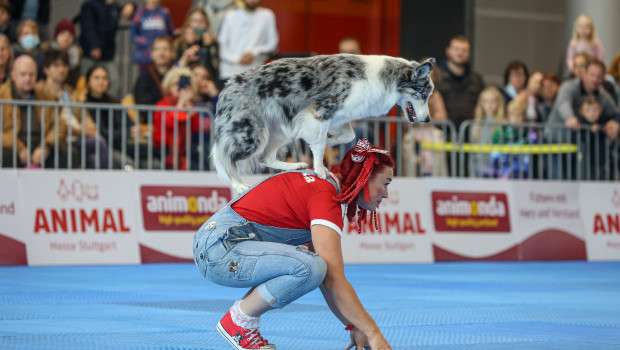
(31, 149)
(7, 27)
(6, 58)
(488, 115)
(206, 97)
(197, 43)
(150, 21)
(592, 139)
(512, 166)
(56, 69)
(28, 41)
(548, 91)
(515, 80)
(98, 83)
(148, 86)
(563, 121)
(613, 76)
(429, 162)
(64, 40)
(172, 134)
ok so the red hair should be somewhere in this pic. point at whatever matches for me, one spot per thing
(354, 177)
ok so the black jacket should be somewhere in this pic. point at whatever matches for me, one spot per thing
(99, 23)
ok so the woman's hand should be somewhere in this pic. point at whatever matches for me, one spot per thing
(185, 97)
(358, 340)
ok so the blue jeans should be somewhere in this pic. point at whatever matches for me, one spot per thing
(232, 251)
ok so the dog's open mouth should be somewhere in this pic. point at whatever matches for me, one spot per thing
(410, 112)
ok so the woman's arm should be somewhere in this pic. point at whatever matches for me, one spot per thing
(338, 292)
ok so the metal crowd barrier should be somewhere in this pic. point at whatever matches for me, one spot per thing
(132, 152)
(436, 149)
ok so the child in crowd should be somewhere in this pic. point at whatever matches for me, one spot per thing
(151, 21)
(206, 98)
(592, 137)
(489, 112)
(512, 165)
(584, 40)
(28, 41)
(64, 40)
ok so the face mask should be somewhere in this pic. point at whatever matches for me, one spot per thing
(30, 41)
(199, 31)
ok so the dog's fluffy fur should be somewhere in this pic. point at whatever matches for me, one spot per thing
(262, 109)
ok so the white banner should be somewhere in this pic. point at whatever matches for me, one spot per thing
(12, 244)
(472, 220)
(173, 206)
(600, 205)
(548, 219)
(403, 233)
(79, 217)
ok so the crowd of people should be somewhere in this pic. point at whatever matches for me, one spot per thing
(185, 68)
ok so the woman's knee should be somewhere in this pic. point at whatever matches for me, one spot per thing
(317, 269)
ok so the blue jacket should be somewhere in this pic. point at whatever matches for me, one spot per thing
(148, 25)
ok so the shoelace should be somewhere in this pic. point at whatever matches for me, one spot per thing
(255, 339)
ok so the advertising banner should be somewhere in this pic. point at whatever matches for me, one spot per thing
(78, 217)
(472, 220)
(173, 206)
(549, 221)
(402, 236)
(12, 238)
(600, 206)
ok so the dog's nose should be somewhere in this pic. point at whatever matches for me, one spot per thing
(424, 118)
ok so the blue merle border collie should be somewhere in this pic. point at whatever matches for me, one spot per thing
(315, 99)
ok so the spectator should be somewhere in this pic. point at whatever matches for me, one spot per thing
(460, 86)
(64, 40)
(206, 98)
(56, 69)
(248, 37)
(515, 80)
(151, 21)
(548, 91)
(121, 128)
(592, 139)
(512, 165)
(148, 86)
(7, 27)
(531, 94)
(98, 24)
(32, 150)
(584, 40)
(216, 10)
(430, 162)
(6, 58)
(350, 45)
(198, 44)
(172, 133)
(564, 113)
(613, 76)
(488, 115)
(28, 42)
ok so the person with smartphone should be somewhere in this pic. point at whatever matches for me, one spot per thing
(170, 126)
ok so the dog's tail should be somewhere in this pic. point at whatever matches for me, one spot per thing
(236, 151)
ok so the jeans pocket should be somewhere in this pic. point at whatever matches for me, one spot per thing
(237, 234)
(234, 267)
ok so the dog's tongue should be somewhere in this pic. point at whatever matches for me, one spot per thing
(410, 111)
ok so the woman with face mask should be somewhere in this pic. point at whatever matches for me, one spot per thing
(198, 44)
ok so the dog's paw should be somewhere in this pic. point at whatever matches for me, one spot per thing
(240, 187)
(321, 171)
(300, 165)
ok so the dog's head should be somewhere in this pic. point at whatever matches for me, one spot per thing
(415, 87)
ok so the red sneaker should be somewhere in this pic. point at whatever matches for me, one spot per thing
(241, 338)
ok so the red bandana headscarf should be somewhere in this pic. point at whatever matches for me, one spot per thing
(363, 152)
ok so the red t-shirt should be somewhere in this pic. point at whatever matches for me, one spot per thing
(292, 200)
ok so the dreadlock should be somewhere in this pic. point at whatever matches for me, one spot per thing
(354, 171)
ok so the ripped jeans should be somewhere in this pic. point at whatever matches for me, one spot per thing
(234, 252)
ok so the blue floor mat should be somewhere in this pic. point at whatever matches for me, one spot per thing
(441, 306)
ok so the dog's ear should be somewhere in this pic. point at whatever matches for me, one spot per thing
(424, 69)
